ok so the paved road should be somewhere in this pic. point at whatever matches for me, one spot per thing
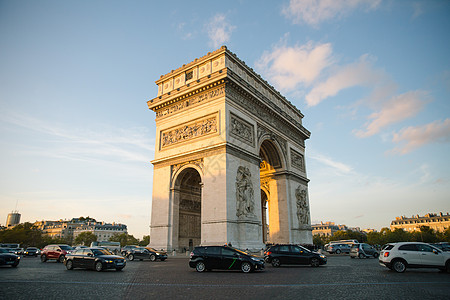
(173, 279)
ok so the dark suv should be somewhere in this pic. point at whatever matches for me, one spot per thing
(293, 255)
(224, 258)
(57, 252)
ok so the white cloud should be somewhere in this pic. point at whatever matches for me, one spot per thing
(314, 12)
(358, 73)
(414, 137)
(328, 161)
(219, 30)
(287, 67)
(102, 144)
(397, 109)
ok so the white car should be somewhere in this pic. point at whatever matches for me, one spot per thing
(400, 256)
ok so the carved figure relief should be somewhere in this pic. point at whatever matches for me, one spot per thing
(302, 205)
(245, 204)
(297, 160)
(190, 131)
(241, 129)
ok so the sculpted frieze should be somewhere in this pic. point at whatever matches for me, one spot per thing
(242, 130)
(297, 160)
(256, 108)
(190, 101)
(189, 131)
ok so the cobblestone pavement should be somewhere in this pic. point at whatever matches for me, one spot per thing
(173, 279)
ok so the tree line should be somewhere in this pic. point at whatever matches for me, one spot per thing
(27, 235)
(425, 234)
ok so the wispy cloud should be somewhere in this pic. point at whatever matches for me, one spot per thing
(414, 137)
(287, 67)
(219, 30)
(339, 167)
(314, 12)
(397, 109)
(105, 143)
(359, 73)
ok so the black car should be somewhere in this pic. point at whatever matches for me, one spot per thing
(127, 248)
(279, 255)
(31, 251)
(9, 259)
(94, 258)
(146, 253)
(224, 258)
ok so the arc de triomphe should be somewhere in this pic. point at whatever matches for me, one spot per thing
(229, 161)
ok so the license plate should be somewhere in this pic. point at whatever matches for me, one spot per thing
(119, 263)
(9, 262)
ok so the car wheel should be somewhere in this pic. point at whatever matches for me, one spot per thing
(399, 266)
(275, 262)
(61, 258)
(375, 255)
(200, 267)
(98, 266)
(69, 265)
(152, 257)
(338, 251)
(266, 259)
(246, 267)
(315, 262)
(43, 258)
(130, 256)
(361, 255)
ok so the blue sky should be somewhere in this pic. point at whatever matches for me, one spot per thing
(371, 77)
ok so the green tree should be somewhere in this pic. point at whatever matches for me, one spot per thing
(85, 238)
(145, 241)
(124, 239)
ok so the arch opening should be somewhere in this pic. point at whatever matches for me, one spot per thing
(188, 196)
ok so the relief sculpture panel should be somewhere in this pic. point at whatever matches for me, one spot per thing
(190, 131)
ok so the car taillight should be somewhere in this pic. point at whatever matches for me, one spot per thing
(268, 253)
(386, 254)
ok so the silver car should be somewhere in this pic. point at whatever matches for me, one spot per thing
(338, 248)
(363, 250)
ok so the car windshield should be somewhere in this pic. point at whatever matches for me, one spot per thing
(101, 252)
(64, 247)
(304, 249)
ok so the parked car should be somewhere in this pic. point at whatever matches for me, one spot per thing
(400, 256)
(224, 258)
(338, 248)
(444, 246)
(9, 259)
(146, 253)
(98, 259)
(57, 252)
(279, 255)
(363, 250)
(31, 251)
(127, 248)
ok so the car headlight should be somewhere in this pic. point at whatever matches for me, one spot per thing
(108, 261)
(157, 253)
(322, 256)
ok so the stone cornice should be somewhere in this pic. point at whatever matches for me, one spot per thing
(220, 64)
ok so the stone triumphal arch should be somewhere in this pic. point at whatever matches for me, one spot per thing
(229, 161)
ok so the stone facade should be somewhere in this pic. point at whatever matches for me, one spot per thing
(439, 222)
(226, 138)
